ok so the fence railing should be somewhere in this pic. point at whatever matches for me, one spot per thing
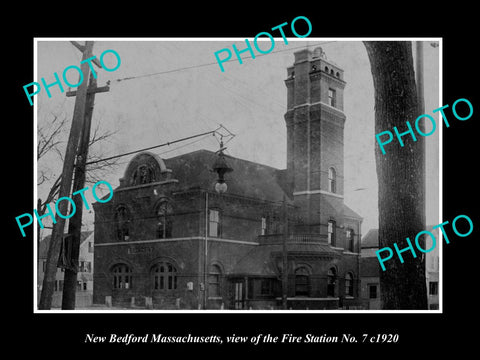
(293, 238)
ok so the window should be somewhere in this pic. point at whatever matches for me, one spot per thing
(90, 247)
(85, 286)
(214, 281)
(271, 224)
(350, 240)
(266, 287)
(332, 97)
(164, 225)
(122, 221)
(85, 266)
(331, 232)
(349, 284)
(372, 291)
(79, 285)
(164, 276)
(301, 282)
(44, 266)
(214, 223)
(332, 180)
(433, 288)
(143, 175)
(122, 276)
(331, 280)
(58, 285)
(264, 226)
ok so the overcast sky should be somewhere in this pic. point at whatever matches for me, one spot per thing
(176, 89)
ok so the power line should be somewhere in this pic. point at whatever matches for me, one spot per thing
(212, 63)
(184, 145)
(213, 132)
(151, 147)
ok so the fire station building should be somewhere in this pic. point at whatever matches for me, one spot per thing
(174, 237)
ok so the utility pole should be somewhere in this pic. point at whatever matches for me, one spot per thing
(66, 183)
(75, 223)
(284, 255)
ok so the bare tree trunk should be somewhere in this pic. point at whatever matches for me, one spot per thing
(401, 176)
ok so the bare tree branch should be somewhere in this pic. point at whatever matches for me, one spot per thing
(49, 139)
(52, 194)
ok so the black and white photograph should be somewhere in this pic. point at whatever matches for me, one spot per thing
(229, 181)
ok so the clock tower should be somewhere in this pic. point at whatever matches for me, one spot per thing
(315, 124)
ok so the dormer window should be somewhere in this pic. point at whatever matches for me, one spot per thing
(143, 175)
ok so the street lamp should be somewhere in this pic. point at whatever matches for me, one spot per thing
(221, 168)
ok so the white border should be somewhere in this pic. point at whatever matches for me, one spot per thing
(440, 294)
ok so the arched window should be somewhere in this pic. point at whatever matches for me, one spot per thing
(349, 284)
(332, 232)
(164, 276)
(122, 276)
(122, 223)
(338, 74)
(332, 180)
(164, 217)
(326, 69)
(331, 281)
(143, 175)
(302, 280)
(350, 240)
(332, 72)
(214, 278)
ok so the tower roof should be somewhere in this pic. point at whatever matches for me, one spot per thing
(45, 243)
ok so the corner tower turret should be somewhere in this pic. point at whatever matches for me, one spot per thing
(315, 124)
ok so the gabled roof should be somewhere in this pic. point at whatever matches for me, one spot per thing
(350, 213)
(45, 243)
(370, 240)
(248, 179)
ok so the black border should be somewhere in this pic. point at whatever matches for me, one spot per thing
(429, 332)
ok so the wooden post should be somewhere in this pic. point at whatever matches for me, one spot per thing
(75, 223)
(66, 183)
